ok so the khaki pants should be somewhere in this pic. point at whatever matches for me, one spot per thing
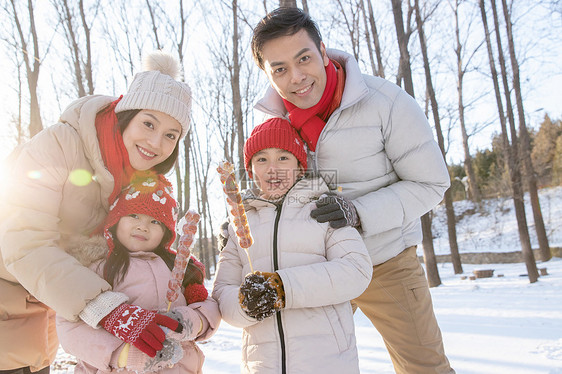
(398, 303)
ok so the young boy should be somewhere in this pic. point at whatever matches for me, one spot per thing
(295, 310)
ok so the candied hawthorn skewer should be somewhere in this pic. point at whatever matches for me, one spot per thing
(237, 212)
(189, 230)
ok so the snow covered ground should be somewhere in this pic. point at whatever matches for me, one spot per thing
(489, 325)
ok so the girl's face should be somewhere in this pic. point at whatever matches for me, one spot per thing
(150, 138)
(275, 171)
(139, 232)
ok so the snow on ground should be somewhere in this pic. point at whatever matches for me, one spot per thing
(489, 325)
(493, 227)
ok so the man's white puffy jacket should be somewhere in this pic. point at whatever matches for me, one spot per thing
(378, 147)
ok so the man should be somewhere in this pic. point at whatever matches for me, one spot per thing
(389, 172)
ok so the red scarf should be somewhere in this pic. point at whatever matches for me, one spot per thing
(113, 149)
(310, 122)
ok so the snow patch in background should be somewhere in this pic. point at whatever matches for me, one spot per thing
(493, 227)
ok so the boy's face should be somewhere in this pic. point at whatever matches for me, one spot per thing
(139, 232)
(296, 68)
(275, 171)
(150, 138)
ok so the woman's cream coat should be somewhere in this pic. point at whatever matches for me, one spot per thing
(321, 269)
(56, 188)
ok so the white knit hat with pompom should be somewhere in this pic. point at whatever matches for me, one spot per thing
(156, 88)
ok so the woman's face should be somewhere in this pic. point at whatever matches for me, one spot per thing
(150, 138)
(139, 232)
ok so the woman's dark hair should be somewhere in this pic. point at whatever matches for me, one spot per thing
(123, 120)
(282, 22)
(117, 264)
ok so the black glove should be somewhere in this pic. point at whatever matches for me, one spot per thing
(222, 237)
(337, 210)
(257, 297)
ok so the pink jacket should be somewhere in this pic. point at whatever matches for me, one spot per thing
(146, 284)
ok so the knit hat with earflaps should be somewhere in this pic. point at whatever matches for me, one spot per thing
(148, 193)
(274, 133)
(156, 88)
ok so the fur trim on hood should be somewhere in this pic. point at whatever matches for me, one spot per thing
(88, 250)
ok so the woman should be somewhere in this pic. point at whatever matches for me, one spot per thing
(59, 188)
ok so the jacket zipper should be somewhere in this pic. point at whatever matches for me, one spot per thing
(278, 314)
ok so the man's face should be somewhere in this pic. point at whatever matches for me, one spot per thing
(296, 68)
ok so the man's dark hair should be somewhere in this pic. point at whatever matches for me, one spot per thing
(282, 22)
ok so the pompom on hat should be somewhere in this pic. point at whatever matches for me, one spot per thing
(274, 133)
(156, 88)
(148, 193)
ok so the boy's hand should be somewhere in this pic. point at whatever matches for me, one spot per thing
(261, 295)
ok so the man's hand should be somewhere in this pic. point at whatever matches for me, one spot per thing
(337, 210)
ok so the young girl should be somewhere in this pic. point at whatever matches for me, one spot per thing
(139, 230)
(295, 310)
(59, 185)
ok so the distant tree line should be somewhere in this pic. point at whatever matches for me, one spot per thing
(489, 165)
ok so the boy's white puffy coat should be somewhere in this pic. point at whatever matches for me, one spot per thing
(321, 269)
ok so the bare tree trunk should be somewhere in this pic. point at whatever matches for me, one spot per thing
(236, 98)
(154, 27)
(214, 249)
(473, 188)
(32, 67)
(380, 71)
(287, 3)
(83, 75)
(451, 221)
(429, 259)
(304, 6)
(544, 248)
(511, 160)
(352, 26)
(368, 38)
(405, 70)
(88, 70)
(66, 20)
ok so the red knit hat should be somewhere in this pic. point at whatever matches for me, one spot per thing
(274, 133)
(148, 193)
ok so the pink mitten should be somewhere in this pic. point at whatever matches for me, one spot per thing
(190, 321)
(169, 355)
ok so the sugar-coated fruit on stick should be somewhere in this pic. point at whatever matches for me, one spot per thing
(237, 212)
(189, 230)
